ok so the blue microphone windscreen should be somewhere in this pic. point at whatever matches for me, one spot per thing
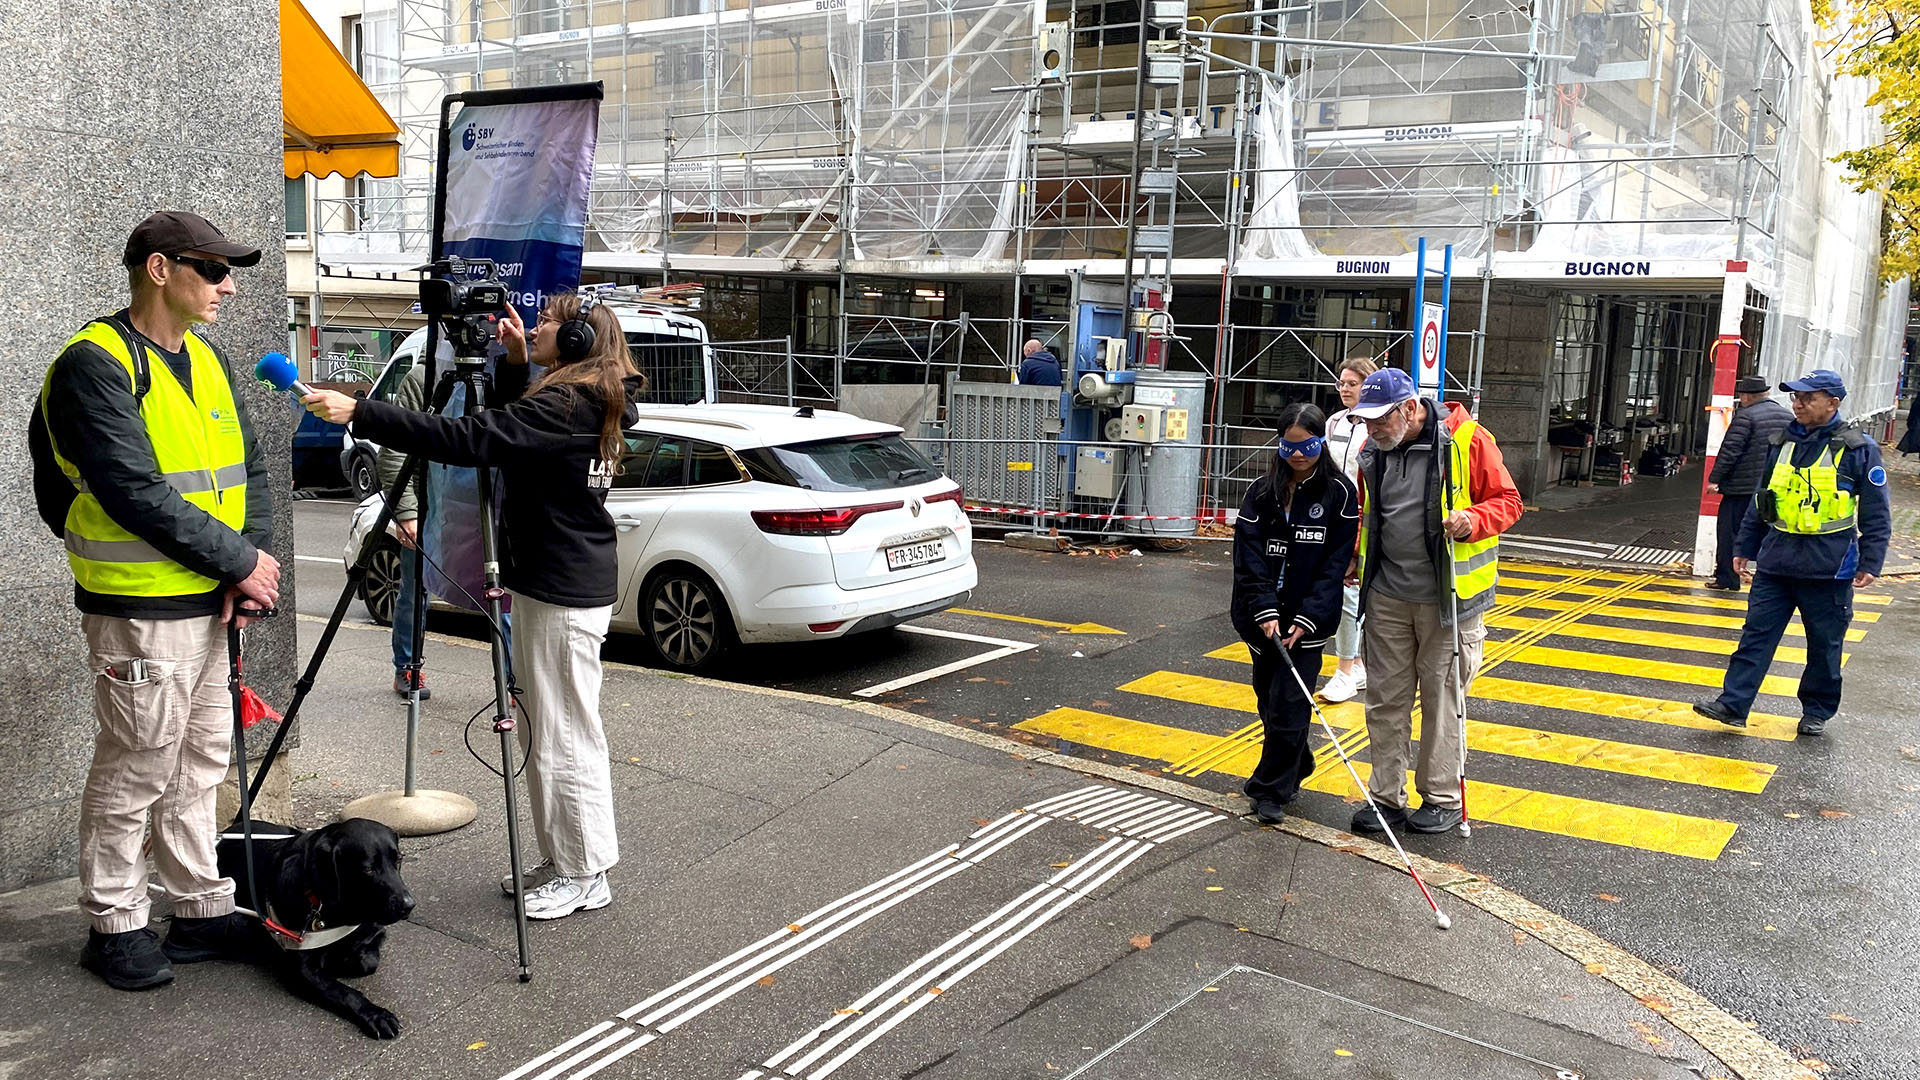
(276, 370)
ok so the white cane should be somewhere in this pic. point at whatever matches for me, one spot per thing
(1460, 682)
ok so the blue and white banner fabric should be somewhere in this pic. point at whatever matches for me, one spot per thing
(519, 164)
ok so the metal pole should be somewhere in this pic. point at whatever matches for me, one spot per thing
(1446, 305)
(1417, 316)
(1133, 178)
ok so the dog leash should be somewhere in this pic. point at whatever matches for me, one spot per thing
(240, 764)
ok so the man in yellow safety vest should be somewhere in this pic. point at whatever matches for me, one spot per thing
(146, 466)
(1814, 533)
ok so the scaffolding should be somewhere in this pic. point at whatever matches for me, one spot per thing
(940, 166)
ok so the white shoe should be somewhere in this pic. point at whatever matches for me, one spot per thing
(564, 895)
(530, 879)
(1340, 688)
(1359, 676)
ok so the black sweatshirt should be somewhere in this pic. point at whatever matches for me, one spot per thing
(1292, 566)
(557, 541)
(94, 420)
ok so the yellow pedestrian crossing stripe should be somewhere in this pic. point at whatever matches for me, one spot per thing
(1544, 615)
(1678, 766)
(1587, 819)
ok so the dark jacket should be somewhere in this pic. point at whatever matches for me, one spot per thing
(1834, 555)
(1910, 442)
(1040, 369)
(1741, 466)
(93, 418)
(1290, 567)
(557, 541)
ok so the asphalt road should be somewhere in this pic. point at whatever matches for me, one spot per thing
(1799, 917)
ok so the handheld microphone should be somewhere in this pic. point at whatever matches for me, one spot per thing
(277, 371)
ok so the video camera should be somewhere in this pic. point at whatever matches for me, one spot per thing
(468, 300)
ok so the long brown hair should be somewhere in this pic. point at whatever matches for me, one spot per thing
(604, 369)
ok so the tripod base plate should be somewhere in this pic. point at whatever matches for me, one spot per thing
(423, 813)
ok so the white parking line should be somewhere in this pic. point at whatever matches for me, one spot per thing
(1003, 648)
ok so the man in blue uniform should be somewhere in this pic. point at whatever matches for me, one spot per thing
(1817, 531)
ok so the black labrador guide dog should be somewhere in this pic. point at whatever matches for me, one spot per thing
(313, 883)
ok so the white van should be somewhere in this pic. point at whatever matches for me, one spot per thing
(669, 345)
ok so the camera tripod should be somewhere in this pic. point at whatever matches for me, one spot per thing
(470, 371)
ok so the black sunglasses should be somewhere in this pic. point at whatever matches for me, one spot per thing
(214, 272)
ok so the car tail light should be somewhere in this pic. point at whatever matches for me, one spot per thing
(956, 497)
(818, 522)
(825, 627)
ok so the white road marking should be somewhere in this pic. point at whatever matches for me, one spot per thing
(1004, 648)
(1137, 821)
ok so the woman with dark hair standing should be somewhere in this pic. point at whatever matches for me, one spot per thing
(558, 445)
(1291, 546)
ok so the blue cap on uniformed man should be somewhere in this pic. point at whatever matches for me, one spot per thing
(1817, 379)
(1382, 391)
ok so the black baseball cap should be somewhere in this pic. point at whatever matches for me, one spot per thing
(1752, 384)
(171, 232)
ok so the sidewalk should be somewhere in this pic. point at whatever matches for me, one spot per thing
(1231, 950)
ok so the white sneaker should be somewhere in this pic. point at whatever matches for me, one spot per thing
(563, 896)
(1359, 676)
(530, 879)
(1340, 688)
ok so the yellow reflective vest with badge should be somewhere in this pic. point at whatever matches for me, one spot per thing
(1475, 562)
(199, 452)
(1809, 502)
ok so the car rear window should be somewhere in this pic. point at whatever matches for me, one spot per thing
(675, 368)
(863, 463)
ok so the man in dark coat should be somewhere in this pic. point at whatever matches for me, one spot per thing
(1740, 468)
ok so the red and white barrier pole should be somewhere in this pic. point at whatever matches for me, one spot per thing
(1726, 370)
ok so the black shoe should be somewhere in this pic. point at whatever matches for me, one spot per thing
(1365, 820)
(131, 960)
(1713, 710)
(1434, 819)
(223, 937)
(1724, 586)
(1269, 811)
(1813, 725)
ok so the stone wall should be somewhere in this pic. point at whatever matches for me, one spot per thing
(1514, 381)
(115, 110)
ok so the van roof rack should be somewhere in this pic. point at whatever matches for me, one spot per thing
(680, 295)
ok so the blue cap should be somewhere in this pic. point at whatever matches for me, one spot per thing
(1817, 379)
(1383, 390)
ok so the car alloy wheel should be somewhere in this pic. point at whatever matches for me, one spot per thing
(380, 588)
(365, 480)
(684, 622)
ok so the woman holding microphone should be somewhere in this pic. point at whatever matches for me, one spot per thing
(1291, 546)
(558, 445)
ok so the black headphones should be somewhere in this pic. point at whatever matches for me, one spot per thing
(573, 340)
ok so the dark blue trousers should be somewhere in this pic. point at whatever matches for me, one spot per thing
(1825, 607)
(1285, 716)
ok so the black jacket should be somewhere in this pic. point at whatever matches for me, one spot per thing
(93, 418)
(1741, 466)
(1291, 567)
(557, 541)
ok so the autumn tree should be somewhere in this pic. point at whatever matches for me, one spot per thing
(1880, 40)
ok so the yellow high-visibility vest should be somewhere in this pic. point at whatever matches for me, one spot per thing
(1809, 502)
(197, 445)
(1475, 562)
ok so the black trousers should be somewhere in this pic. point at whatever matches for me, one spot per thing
(1826, 607)
(1285, 716)
(1733, 510)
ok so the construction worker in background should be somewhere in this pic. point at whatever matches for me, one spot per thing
(1038, 367)
(1435, 496)
(167, 512)
(1817, 531)
(1739, 469)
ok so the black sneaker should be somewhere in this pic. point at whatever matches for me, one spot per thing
(130, 960)
(1434, 819)
(1269, 811)
(1713, 710)
(223, 937)
(1366, 820)
(1813, 725)
(1725, 586)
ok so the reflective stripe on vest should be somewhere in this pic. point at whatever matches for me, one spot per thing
(1809, 502)
(1475, 562)
(198, 449)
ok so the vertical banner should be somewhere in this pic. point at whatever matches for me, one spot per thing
(516, 167)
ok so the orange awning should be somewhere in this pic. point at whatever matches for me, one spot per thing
(333, 123)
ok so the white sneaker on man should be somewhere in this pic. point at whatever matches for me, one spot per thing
(530, 879)
(563, 895)
(1343, 686)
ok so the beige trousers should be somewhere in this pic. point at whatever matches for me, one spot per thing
(1409, 651)
(166, 733)
(556, 659)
